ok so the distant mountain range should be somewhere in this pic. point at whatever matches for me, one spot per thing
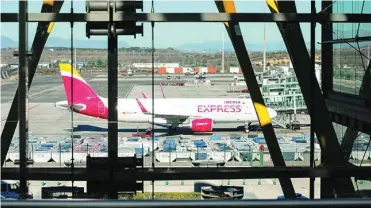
(7, 42)
(216, 46)
(206, 46)
(202, 46)
(62, 42)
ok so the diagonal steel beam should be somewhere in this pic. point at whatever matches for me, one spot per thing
(235, 35)
(322, 125)
(327, 51)
(348, 141)
(41, 36)
(22, 105)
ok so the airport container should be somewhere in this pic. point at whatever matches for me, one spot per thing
(245, 155)
(139, 150)
(203, 69)
(211, 70)
(288, 156)
(201, 156)
(46, 145)
(251, 136)
(103, 149)
(200, 144)
(169, 146)
(259, 140)
(299, 139)
(33, 141)
(132, 139)
(235, 70)
(65, 145)
(215, 137)
(161, 70)
(43, 149)
(222, 147)
(179, 70)
(156, 138)
(235, 137)
(170, 70)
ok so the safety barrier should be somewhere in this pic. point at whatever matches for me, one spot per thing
(166, 157)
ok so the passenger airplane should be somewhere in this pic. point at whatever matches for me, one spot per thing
(195, 114)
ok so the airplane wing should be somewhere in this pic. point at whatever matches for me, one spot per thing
(170, 117)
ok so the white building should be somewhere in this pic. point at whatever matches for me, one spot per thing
(44, 65)
(13, 66)
(157, 65)
(234, 70)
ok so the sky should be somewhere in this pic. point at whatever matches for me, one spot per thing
(176, 34)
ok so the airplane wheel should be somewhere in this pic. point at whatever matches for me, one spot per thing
(247, 128)
(170, 131)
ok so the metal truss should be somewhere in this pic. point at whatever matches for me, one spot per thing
(350, 107)
(304, 69)
(233, 29)
(347, 143)
(348, 40)
(42, 33)
(190, 17)
(352, 110)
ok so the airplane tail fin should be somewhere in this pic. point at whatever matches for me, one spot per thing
(141, 106)
(80, 96)
(162, 90)
(71, 79)
(145, 95)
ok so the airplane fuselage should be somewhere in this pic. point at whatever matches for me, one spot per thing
(220, 110)
(197, 113)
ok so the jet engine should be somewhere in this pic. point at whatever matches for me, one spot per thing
(201, 125)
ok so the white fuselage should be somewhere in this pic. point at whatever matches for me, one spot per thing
(220, 110)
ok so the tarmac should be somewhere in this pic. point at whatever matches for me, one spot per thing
(46, 90)
(47, 120)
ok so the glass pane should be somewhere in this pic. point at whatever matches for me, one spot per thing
(351, 59)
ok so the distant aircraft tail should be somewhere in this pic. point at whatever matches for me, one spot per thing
(80, 96)
(145, 95)
(162, 90)
(141, 106)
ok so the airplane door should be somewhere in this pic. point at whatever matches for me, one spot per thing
(101, 108)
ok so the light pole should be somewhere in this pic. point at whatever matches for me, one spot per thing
(294, 105)
(293, 90)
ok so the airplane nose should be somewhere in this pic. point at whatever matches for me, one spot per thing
(272, 113)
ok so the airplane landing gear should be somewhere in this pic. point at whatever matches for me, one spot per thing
(247, 127)
(171, 130)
